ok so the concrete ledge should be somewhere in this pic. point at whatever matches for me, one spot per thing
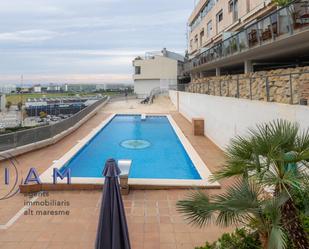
(43, 143)
(73, 187)
(58, 187)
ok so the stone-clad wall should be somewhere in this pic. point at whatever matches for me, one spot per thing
(281, 83)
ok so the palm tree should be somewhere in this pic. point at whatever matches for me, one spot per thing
(20, 105)
(242, 204)
(8, 105)
(276, 156)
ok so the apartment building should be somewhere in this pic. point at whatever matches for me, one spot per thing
(240, 36)
(156, 70)
(6, 89)
(79, 87)
(37, 89)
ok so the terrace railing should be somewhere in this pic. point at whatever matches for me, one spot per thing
(283, 22)
(21, 138)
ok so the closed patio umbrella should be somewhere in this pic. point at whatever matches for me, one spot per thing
(112, 229)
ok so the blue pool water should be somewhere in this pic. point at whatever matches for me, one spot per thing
(152, 145)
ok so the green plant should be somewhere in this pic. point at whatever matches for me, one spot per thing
(19, 105)
(305, 222)
(8, 105)
(207, 246)
(42, 115)
(233, 45)
(244, 203)
(275, 155)
(301, 199)
(282, 2)
(239, 239)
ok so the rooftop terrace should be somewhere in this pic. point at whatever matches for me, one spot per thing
(152, 216)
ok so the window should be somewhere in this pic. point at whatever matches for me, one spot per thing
(233, 7)
(137, 70)
(204, 11)
(209, 28)
(220, 16)
(201, 37)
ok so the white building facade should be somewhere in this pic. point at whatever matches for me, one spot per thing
(37, 89)
(2, 102)
(7, 89)
(156, 70)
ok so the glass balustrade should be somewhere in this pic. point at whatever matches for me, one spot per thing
(282, 22)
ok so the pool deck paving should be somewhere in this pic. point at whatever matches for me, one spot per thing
(152, 216)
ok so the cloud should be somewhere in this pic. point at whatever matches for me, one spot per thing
(68, 78)
(28, 35)
(93, 37)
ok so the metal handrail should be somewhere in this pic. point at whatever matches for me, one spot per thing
(32, 135)
(216, 86)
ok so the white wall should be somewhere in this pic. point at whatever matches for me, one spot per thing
(227, 117)
(143, 87)
(2, 102)
(158, 67)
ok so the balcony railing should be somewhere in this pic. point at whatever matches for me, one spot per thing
(289, 88)
(281, 23)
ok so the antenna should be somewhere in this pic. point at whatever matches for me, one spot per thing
(21, 99)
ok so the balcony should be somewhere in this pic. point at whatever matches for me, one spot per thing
(283, 23)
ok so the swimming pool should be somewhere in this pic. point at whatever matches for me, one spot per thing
(151, 144)
(161, 155)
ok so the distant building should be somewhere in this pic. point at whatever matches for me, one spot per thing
(79, 88)
(2, 102)
(37, 89)
(6, 89)
(53, 88)
(25, 90)
(156, 70)
(59, 105)
(116, 87)
(100, 87)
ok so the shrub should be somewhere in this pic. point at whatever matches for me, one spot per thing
(42, 115)
(240, 239)
(282, 2)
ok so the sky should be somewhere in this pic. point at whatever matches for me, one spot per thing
(85, 41)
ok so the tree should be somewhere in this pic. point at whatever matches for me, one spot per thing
(42, 115)
(242, 204)
(8, 105)
(19, 105)
(276, 156)
(282, 2)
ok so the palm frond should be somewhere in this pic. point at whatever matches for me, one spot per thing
(240, 159)
(302, 141)
(277, 239)
(239, 204)
(197, 208)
